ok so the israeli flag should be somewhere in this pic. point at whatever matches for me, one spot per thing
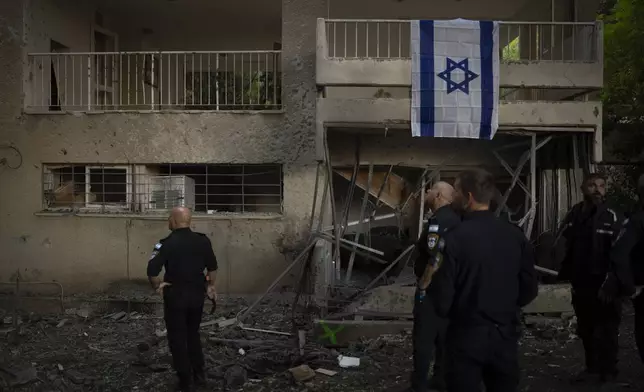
(455, 78)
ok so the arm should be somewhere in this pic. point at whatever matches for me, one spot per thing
(444, 281)
(421, 253)
(620, 255)
(211, 267)
(155, 265)
(433, 257)
(565, 270)
(528, 284)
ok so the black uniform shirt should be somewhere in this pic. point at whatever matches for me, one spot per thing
(627, 256)
(488, 273)
(184, 254)
(589, 234)
(442, 220)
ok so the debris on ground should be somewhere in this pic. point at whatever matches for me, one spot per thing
(128, 351)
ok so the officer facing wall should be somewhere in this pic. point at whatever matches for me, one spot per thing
(429, 329)
(184, 255)
(487, 275)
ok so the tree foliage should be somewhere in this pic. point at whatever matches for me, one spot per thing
(623, 94)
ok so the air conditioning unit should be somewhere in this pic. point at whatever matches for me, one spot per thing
(167, 192)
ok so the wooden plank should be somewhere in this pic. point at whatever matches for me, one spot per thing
(393, 191)
(345, 331)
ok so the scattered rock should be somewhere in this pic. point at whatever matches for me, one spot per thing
(24, 377)
(61, 323)
(76, 377)
(302, 373)
(118, 316)
(235, 376)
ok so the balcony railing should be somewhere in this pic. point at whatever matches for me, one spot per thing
(519, 41)
(154, 81)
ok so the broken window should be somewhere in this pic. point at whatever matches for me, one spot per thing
(207, 189)
(216, 188)
(87, 186)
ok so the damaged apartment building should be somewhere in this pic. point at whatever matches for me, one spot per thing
(115, 111)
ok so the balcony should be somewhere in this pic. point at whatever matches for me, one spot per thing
(549, 73)
(533, 54)
(154, 81)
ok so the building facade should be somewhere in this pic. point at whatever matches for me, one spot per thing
(114, 111)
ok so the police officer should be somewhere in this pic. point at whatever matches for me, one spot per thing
(185, 255)
(429, 329)
(487, 276)
(590, 228)
(629, 252)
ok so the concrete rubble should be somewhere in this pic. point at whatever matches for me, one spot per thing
(115, 350)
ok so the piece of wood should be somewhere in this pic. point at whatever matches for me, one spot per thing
(297, 260)
(392, 185)
(266, 331)
(345, 331)
(245, 344)
(392, 265)
(326, 372)
(546, 270)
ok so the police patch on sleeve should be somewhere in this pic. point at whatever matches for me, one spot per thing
(157, 246)
(153, 255)
(432, 241)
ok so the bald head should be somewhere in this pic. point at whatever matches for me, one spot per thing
(180, 217)
(439, 195)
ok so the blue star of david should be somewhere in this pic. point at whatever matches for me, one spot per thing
(446, 75)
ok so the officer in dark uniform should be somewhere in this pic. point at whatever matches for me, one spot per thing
(487, 276)
(429, 329)
(629, 251)
(590, 229)
(185, 255)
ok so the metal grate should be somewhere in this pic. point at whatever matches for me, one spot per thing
(519, 41)
(155, 81)
(205, 188)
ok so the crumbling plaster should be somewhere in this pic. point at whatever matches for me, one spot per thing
(88, 253)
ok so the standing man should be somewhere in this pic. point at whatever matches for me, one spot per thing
(590, 229)
(487, 276)
(185, 255)
(629, 252)
(429, 329)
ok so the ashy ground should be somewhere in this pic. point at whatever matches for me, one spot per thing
(110, 351)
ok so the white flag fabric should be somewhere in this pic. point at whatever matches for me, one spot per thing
(455, 78)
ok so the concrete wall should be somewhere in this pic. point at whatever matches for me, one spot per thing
(87, 253)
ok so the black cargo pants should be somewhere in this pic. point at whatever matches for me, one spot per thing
(597, 327)
(482, 354)
(182, 314)
(428, 338)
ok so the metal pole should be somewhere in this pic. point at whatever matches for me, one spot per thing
(356, 238)
(422, 205)
(533, 183)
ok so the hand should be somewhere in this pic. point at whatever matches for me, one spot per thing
(162, 286)
(638, 291)
(212, 292)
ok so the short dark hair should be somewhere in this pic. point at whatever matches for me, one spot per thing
(478, 182)
(594, 176)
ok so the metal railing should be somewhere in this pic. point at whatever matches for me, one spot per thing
(519, 41)
(154, 81)
(155, 189)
